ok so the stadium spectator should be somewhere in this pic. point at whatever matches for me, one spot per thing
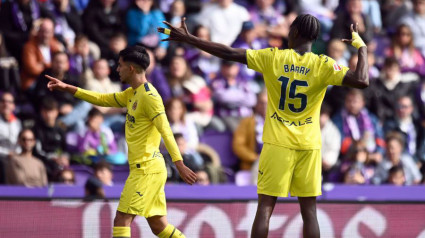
(17, 20)
(406, 122)
(82, 57)
(337, 51)
(357, 169)
(191, 158)
(331, 140)
(10, 125)
(396, 176)
(176, 114)
(201, 62)
(233, 97)
(117, 43)
(67, 176)
(387, 88)
(404, 50)
(103, 172)
(356, 123)
(177, 11)
(393, 11)
(323, 10)
(372, 8)
(224, 19)
(100, 82)
(395, 156)
(93, 190)
(23, 168)
(142, 19)
(37, 52)
(67, 21)
(9, 69)
(98, 142)
(102, 19)
(352, 15)
(247, 139)
(416, 21)
(156, 76)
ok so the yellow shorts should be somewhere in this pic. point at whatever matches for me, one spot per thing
(143, 193)
(282, 170)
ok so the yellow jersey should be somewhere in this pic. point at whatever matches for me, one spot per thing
(145, 124)
(296, 85)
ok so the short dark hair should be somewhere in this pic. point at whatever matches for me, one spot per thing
(102, 165)
(396, 169)
(391, 61)
(307, 27)
(178, 136)
(136, 54)
(49, 103)
(326, 109)
(94, 112)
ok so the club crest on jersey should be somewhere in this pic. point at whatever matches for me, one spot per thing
(134, 106)
(337, 67)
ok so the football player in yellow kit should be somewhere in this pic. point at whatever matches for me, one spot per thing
(143, 193)
(296, 80)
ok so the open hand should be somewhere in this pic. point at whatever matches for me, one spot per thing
(185, 173)
(353, 29)
(180, 34)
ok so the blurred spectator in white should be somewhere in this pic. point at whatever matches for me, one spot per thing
(201, 62)
(372, 8)
(224, 19)
(102, 19)
(176, 114)
(17, 20)
(331, 140)
(337, 51)
(23, 168)
(177, 11)
(10, 125)
(248, 136)
(383, 92)
(114, 118)
(352, 15)
(396, 176)
(37, 52)
(9, 69)
(67, 20)
(82, 57)
(323, 10)
(356, 123)
(142, 20)
(416, 21)
(403, 49)
(406, 122)
(395, 156)
(98, 142)
(67, 176)
(233, 97)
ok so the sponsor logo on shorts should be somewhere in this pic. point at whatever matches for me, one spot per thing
(260, 172)
(139, 194)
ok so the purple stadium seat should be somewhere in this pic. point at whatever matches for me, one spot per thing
(243, 178)
(222, 143)
(120, 173)
(82, 173)
(72, 142)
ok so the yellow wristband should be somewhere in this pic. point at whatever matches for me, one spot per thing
(167, 31)
(357, 40)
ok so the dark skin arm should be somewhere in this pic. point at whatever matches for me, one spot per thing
(360, 77)
(222, 51)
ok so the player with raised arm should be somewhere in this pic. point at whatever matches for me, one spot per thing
(296, 80)
(143, 193)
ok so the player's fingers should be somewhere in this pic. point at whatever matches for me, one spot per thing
(167, 39)
(50, 78)
(184, 25)
(168, 24)
(351, 28)
(346, 40)
(357, 27)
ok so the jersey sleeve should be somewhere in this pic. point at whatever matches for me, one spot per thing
(154, 109)
(260, 60)
(103, 99)
(331, 71)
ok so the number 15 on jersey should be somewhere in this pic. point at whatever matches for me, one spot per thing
(292, 94)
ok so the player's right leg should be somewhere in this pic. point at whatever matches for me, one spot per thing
(161, 228)
(122, 224)
(260, 228)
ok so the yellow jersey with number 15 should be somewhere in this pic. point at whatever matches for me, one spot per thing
(296, 85)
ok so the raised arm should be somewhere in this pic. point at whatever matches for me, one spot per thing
(360, 77)
(100, 99)
(222, 51)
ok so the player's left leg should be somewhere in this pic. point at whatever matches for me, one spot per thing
(260, 228)
(122, 224)
(160, 227)
(309, 215)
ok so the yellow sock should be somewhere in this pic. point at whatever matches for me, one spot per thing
(171, 232)
(121, 232)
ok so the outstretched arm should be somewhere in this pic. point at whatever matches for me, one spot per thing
(360, 77)
(222, 51)
(100, 99)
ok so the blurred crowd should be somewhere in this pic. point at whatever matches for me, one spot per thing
(374, 136)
